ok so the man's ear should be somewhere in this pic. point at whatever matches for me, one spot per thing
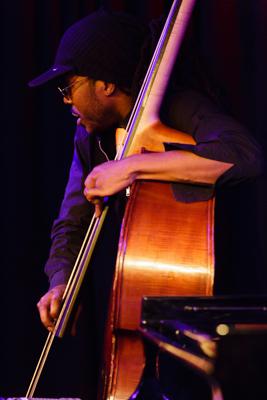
(109, 88)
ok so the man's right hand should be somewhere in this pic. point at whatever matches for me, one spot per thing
(49, 306)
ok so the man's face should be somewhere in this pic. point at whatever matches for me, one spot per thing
(94, 110)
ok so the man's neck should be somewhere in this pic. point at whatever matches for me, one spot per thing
(125, 105)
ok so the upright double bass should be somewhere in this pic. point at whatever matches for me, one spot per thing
(165, 246)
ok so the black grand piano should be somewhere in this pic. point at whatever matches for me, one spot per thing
(204, 348)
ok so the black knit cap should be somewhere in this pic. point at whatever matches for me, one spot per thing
(104, 45)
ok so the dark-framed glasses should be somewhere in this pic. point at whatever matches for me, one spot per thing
(66, 91)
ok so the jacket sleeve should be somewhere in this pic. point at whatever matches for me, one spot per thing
(69, 228)
(218, 136)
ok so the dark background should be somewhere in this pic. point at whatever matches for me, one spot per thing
(37, 134)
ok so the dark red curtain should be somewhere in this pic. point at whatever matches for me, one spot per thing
(37, 134)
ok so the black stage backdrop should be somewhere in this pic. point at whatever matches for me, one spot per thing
(37, 135)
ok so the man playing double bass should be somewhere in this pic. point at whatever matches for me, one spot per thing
(97, 68)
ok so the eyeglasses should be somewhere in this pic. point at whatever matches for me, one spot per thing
(66, 91)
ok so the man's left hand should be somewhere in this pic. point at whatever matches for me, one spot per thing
(107, 179)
